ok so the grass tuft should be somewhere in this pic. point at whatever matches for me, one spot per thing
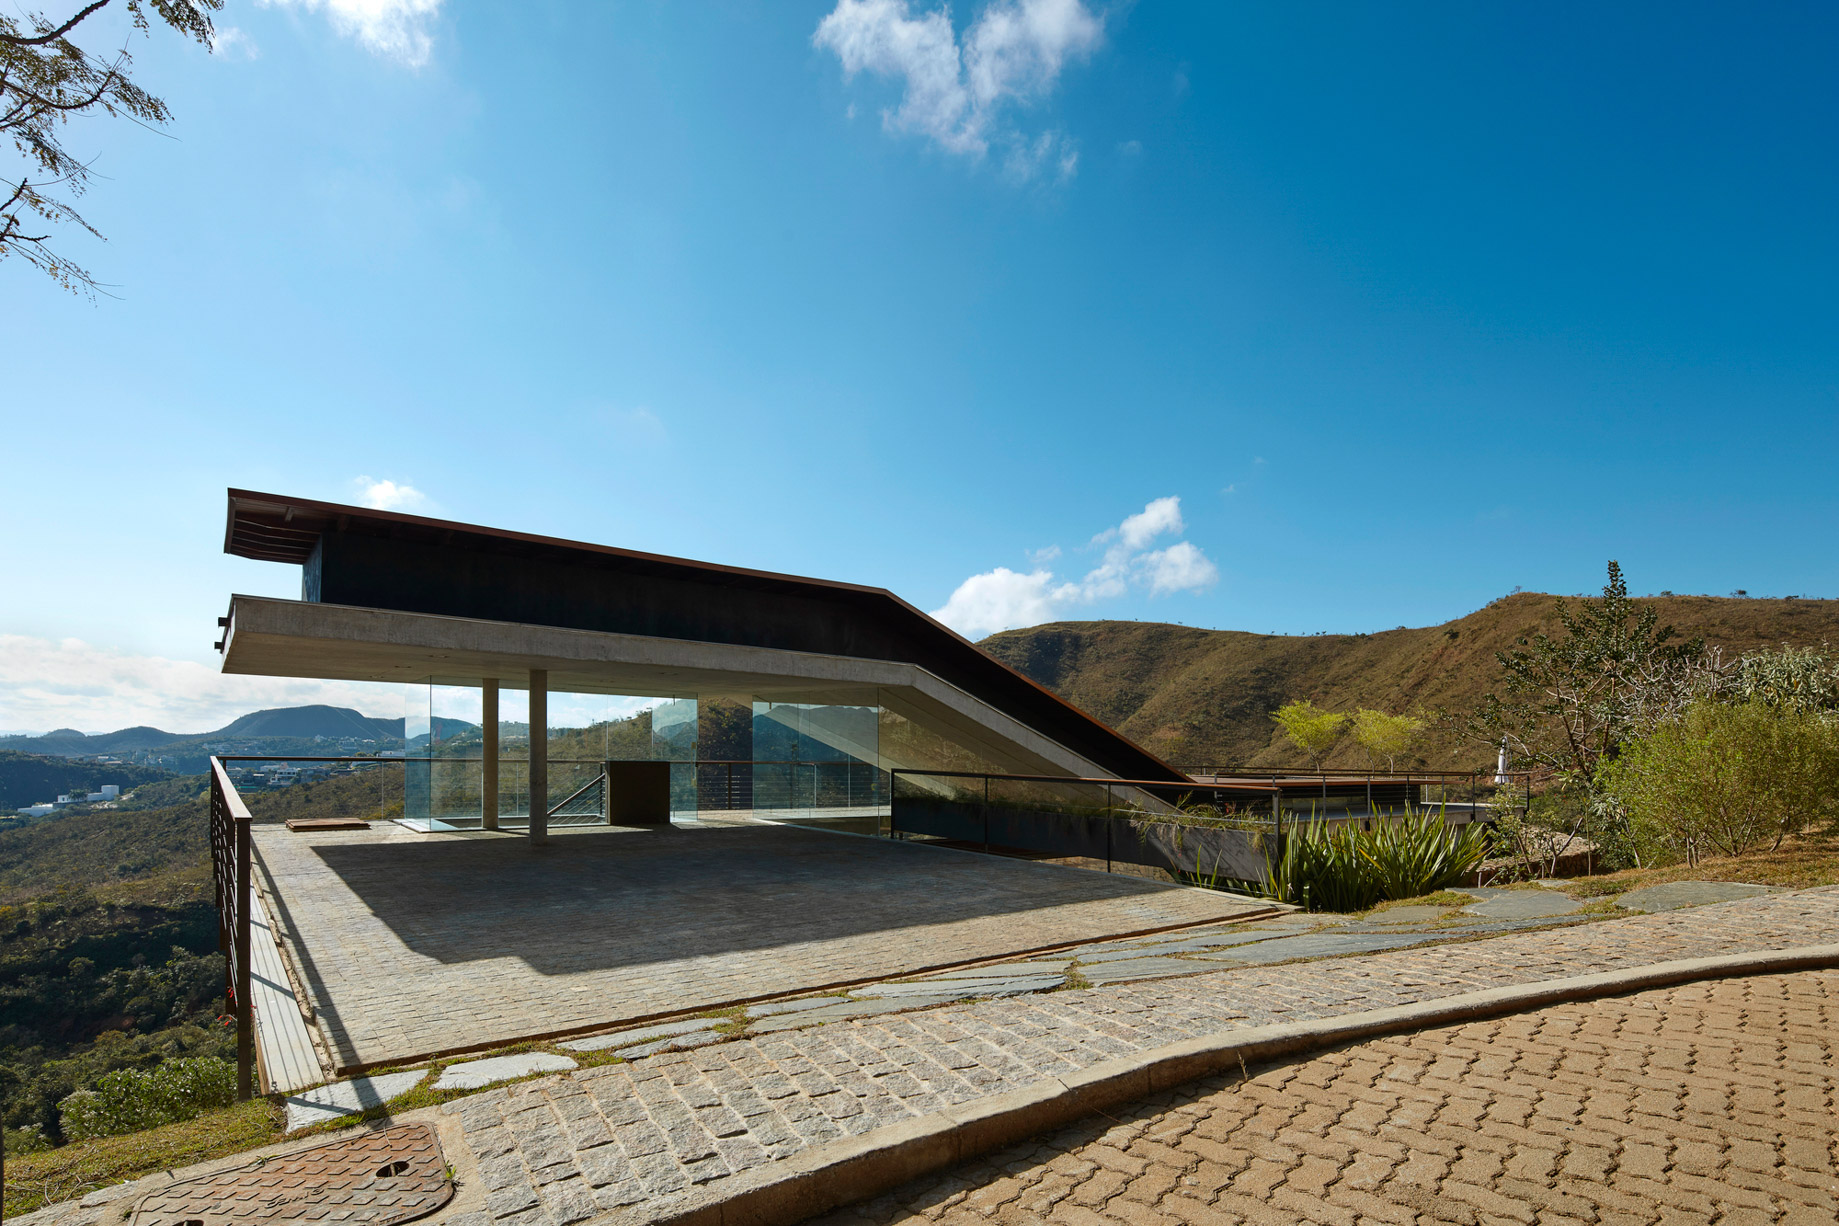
(70, 1171)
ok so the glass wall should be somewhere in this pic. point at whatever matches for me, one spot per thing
(673, 740)
(818, 763)
(444, 771)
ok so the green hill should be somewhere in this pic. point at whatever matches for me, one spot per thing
(1203, 698)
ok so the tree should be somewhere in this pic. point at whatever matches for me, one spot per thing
(1795, 679)
(1570, 703)
(1310, 728)
(1385, 736)
(45, 80)
(1726, 778)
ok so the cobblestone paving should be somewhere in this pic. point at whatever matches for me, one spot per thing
(1710, 1102)
(413, 944)
(560, 1150)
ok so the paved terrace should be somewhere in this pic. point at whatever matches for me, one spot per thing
(411, 945)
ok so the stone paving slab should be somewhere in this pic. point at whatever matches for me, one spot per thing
(348, 1097)
(477, 1074)
(412, 945)
(1707, 1102)
(1672, 895)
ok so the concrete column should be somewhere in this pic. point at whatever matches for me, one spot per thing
(488, 773)
(539, 756)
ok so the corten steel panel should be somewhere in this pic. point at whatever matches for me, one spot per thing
(638, 793)
(379, 559)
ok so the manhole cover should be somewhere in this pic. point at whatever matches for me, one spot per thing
(376, 1179)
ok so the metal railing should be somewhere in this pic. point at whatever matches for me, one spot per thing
(1241, 819)
(230, 877)
(716, 783)
(1058, 816)
(1467, 790)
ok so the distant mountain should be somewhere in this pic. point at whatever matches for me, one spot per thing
(330, 722)
(308, 730)
(1203, 698)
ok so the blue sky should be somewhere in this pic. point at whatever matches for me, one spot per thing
(1403, 306)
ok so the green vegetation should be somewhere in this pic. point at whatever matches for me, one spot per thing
(108, 941)
(130, 1100)
(1351, 868)
(1385, 737)
(1569, 702)
(55, 1175)
(1309, 728)
(1726, 778)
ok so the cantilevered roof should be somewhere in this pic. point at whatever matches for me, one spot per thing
(367, 559)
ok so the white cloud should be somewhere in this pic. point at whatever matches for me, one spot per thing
(388, 495)
(67, 683)
(1180, 568)
(232, 43)
(955, 92)
(397, 29)
(1001, 599)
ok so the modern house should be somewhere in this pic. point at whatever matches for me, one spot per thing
(844, 682)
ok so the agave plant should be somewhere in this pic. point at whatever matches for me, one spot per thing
(1347, 868)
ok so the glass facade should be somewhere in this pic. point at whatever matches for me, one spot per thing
(812, 759)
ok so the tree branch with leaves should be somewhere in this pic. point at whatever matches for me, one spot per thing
(46, 79)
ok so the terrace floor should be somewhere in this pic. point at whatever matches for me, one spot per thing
(411, 945)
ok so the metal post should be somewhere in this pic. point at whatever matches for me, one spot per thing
(245, 1010)
(986, 813)
(539, 756)
(488, 765)
(1110, 820)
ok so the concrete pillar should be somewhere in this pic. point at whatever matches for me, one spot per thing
(539, 756)
(488, 773)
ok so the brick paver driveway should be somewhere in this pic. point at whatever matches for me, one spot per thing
(1710, 1102)
(416, 944)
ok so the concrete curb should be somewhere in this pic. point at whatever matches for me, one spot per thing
(857, 1168)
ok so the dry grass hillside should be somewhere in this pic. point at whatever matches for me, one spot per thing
(1203, 698)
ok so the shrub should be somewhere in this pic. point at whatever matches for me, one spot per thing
(129, 1100)
(1727, 778)
(1348, 868)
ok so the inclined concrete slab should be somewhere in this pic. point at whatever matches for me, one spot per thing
(348, 1097)
(1676, 894)
(641, 1034)
(477, 1074)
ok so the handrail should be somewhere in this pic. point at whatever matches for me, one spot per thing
(1128, 783)
(230, 877)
